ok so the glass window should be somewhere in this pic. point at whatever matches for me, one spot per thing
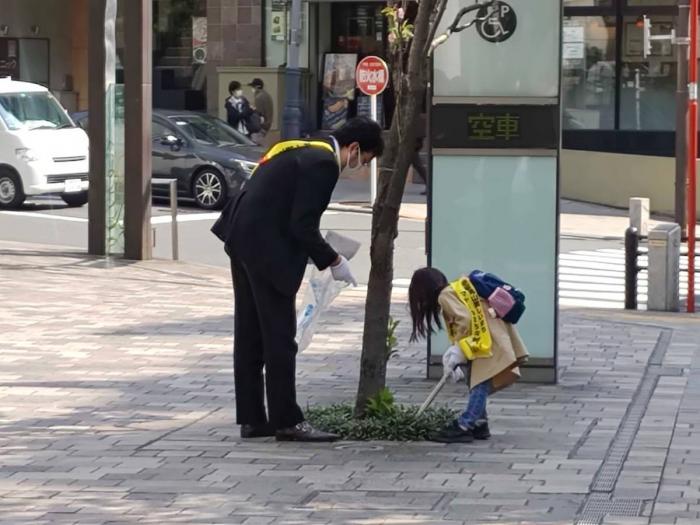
(648, 85)
(34, 60)
(159, 131)
(277, 22)
(358, 28)
(32, 111)
(209, 130)
(588, 79)
(179, 53)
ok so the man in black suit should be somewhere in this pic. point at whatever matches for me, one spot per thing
(270, 232)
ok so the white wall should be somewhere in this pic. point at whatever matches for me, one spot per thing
(613, 178)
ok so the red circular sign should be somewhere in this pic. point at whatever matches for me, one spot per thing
(372, 76)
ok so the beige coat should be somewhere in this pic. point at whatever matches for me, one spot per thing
(508, 348)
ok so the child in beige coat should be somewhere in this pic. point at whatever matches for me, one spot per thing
(431, 296)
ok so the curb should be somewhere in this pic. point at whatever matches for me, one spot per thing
(352, 208)
(366, 209)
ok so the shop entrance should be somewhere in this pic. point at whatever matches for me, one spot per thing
(357, 30)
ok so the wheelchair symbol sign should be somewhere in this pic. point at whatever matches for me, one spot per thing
(497, 23)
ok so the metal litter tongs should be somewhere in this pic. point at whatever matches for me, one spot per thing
(435, 391)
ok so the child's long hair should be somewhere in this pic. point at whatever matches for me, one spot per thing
(426, 285)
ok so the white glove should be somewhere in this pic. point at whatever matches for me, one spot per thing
(341, 271)
(451, 359)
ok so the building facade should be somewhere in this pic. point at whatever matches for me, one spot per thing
(199, 46)
(619, 113)
(619, 107)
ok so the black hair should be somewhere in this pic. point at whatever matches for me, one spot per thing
(234, 85)
(423, 292)
(366, 132)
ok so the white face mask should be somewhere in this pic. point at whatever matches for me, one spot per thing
(357, 168)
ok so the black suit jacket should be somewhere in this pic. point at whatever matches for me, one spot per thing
(274, 222)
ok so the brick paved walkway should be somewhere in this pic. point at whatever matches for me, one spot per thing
(116, 406)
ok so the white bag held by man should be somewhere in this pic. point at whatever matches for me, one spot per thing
(322, 290)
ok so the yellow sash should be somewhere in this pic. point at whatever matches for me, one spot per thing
(477, 345)
(287, 145)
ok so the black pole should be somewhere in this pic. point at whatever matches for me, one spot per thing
(631, 269)
(291, 113)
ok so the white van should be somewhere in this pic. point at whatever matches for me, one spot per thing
(41, 150)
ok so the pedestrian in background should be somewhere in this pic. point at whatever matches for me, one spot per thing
(264, 106)
(238, 109)
(270, 231)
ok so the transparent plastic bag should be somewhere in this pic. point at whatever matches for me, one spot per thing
(321, 291)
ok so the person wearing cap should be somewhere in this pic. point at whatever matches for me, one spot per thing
(263, 104)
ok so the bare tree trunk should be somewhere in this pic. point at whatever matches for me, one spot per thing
(410, 91)
(384, 231)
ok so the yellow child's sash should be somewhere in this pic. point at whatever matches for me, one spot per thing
(287, 145)
(477, 345)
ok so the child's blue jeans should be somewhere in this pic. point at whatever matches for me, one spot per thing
(476, 406)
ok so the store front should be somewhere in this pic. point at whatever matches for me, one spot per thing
(329, 54)
(357, 30)
(619, 108)
(609, 86)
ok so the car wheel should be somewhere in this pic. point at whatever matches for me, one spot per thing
(11, 191)
(75, 200)
(209, 189)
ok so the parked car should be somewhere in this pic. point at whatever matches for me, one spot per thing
(42, 151)
(209, 159)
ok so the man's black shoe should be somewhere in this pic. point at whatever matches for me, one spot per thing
(257, 431)
(305, 432)
(481, 430)
(453, 433)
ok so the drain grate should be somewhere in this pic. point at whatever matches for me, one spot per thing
(609, 471)
(599, 505)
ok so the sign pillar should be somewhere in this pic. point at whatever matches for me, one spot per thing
(138, 17)
(495, 142)
(98, 81)
(372, 78)
(373, 167)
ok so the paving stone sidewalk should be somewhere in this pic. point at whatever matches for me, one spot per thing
(116, 406)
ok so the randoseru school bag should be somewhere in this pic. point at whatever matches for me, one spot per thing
(491, 288)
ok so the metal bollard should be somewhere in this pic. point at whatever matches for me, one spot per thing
(173, 217)
(664, 268)
(174, 239)
(631, 269)
(639, 215)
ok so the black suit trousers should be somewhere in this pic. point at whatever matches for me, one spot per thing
(264, 337)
